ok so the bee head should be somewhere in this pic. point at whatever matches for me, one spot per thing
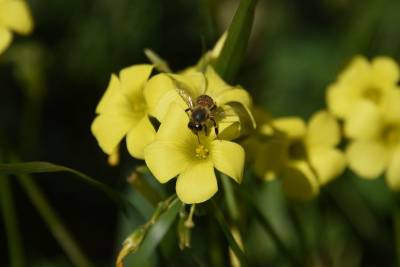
(195, 127)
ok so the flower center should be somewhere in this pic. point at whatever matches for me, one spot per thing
(202, 152)
(391, 134)
(297, 150)
(373, 94)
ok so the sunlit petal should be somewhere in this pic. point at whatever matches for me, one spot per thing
(385, 71)
(139, 137)
(109, 130)
(328, 163)
(293, 127)
(340, 99)
(299, 181)
(165, 160)
(364, 122)
(113, 101)
(5, 39)
(233, 95)
(368, 159)
(393, 171)
(323, 130)
(215, 85)
(197, 183)
(391, 105)
(228, 158)
(133, 79)
(16, 16)
(357, 72)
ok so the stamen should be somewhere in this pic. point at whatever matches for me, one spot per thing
(202, 152)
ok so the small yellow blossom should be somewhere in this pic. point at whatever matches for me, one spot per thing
(306, 157)
(123, 110)
(362, 92)
(14, 16)
(176, 151)
(370, 155)
(195, 84)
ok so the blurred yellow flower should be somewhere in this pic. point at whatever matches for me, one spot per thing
(233, 102)
(364, 90)
(14, 16)
(373, 153)
(123, 110)
(176, 151)
(305, 156)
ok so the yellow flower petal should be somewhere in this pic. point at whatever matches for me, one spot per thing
(165, 160)
(293, 127)
(328, 163)
(197, 183)
(109, 129)
(357, 72)
(219, 45)
(215, 85)
(134, 78)
(367, 159)
(340, 99)
(385, 71)
(155, 91)
(364, 122)
(233, 95)
(323, 130)
(174, 126)
(5, 39)
(228, 158)
(16, 16)
(391, 106)
(393, 171)
(113, 101)
(193, 82)
(139, 137)
(299, 181)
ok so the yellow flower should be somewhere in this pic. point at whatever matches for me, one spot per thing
(14, 16)
(370, 155)
(234, 102)
(362, 92)
(176, 151)
(123, 110)
(305, 156)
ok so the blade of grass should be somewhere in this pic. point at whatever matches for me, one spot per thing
(231, 240)
(47, 167)
(234, 49)
(11, 224)
(52, 220)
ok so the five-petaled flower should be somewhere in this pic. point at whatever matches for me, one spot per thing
(304, 155)
(14, 16)
(123, 110)
(176, 151)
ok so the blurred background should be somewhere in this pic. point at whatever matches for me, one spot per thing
(52, 80)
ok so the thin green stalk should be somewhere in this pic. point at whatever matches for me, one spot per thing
(235, 46)
(267, 226)
(230, 199)
(231, 240)
(15, 246)
(52, 220)
(299, 229)
(396, 225)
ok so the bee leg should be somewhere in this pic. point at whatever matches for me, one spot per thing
(198, 138)
(215, 126)
(205, 130)
(186, 110)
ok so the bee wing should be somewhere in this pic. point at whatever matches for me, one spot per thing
(183, 92)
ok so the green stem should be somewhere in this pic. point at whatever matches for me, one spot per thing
(235, 46)
(231, 240)
(52, 220)
(396, 225)
(11, 224)
(230, 198)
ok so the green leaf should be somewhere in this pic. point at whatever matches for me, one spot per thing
(14, 241)
(155, 236)
(47, 167)
(234, 49)
(231, 240)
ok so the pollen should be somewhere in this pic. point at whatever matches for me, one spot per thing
(202, 152)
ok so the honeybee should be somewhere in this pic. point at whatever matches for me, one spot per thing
(202, 111)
